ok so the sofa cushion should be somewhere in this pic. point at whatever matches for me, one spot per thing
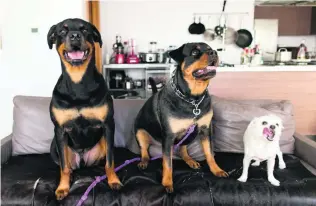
(33, 129)
(143, 188)
(231, 118)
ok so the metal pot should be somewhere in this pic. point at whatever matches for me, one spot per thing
(283, 55)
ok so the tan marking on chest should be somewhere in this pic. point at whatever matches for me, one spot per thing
(64, 115)
(178, 125)
(98, 113)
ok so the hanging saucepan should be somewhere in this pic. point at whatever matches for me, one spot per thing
(244, 38)
(209, 34)
(192, 27)
(219, 29)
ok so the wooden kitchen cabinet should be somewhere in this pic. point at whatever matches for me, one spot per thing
(293, 21)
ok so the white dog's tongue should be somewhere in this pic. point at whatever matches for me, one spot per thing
(268, 132)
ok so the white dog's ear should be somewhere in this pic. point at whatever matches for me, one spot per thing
(254, 120)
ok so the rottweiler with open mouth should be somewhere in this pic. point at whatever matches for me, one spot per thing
(81, 108)
(184, 101)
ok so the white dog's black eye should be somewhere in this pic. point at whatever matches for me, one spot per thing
(264, 123)
(277, 124)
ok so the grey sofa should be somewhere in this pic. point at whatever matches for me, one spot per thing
(33, 131)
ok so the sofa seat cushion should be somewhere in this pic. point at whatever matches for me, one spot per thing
(143, 188)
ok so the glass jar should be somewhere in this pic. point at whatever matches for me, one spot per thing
(152, 47)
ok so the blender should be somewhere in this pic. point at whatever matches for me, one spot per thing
(132, 57)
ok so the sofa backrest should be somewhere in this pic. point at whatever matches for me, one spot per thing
(33, 130)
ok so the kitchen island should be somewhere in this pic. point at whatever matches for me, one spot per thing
(294, 83)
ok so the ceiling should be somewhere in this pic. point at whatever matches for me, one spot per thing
(285, 3)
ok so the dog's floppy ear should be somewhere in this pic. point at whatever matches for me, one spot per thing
(96, 35)
(177, 54)
(51, 36)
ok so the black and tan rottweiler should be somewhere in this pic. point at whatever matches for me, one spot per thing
(81, 108)
(184, 101)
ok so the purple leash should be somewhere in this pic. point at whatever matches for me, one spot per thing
(127, 162)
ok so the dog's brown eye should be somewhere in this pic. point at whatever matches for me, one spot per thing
(195, 52)
(264, 123)
(62, 32)
(84, 31)
(277, 124)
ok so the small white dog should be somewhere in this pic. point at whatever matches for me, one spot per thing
(261, 142)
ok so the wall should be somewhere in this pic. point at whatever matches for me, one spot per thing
(28, 66)
(167, 22)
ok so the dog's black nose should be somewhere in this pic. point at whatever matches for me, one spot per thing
(272, 126)
(75, 36)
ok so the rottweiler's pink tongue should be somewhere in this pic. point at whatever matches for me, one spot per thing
(211, 68)
(268, 132)
(75, 55)
(206, 70)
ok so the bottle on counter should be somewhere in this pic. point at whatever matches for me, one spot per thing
(302, 51)
(118, 44)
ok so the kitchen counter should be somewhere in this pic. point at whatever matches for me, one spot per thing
(263, 68)
(236, 68)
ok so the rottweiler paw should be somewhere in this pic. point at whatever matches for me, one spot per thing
(221, 173)
(193, 164)
(115, 185)
(143, 165)
(169, 189)
(61, 192)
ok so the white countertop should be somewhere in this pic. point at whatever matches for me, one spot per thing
(237, 68)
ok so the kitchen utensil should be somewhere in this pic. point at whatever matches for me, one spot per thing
(200, 27)
(209, 34)
(160, 55)
(219, 29)
(132, 56)
(244, 38)
(149, 57)
(116, 79)
(283, 55)
(119, 57)
(230, 35)
(192, 27)
(152, 47)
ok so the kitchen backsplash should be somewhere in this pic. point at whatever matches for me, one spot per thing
(295, 41)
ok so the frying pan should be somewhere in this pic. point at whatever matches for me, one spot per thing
(200, 27)
(244, 38)
(192, 27)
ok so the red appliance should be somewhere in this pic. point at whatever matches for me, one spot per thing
(119, 57)
(132, 57)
